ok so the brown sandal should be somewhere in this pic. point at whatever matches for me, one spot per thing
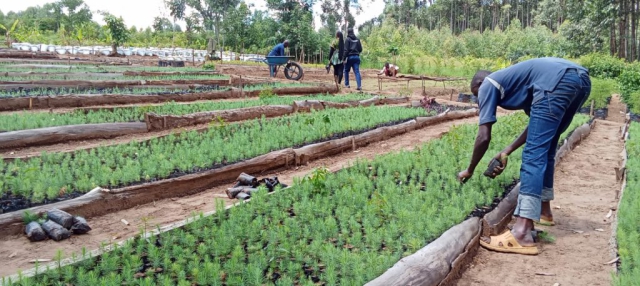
(508, 244)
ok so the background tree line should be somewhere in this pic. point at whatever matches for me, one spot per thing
(418, 29)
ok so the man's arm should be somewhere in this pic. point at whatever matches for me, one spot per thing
(480, 148)
(516, 143)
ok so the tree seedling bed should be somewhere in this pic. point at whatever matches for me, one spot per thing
(9, 85)
(99, 203)
(153, 122)
(385, 229)
(70, 101)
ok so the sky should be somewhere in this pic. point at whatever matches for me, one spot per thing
(140, 13)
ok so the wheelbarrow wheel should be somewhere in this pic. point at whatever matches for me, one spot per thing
(293, 71)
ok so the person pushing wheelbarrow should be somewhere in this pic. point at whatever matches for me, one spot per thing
(550, 91)
(278, 51)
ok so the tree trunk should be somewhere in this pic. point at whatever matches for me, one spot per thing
(622, 28)
(114, 50)
(451, 18)
(481, 16)
(634, 18)
(612, 36)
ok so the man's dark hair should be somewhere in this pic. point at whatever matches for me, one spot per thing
(286, 43)
(478, 78)
(386, 64)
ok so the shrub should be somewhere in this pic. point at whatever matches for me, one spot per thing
(629, 83)
(602, 65)
(266, 94)
(209, 66)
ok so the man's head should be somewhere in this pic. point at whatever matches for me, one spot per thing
(386, 65)
(350, 32)
(477, 80)
(286, 43)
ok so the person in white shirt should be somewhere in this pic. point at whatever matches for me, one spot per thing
(389, 70)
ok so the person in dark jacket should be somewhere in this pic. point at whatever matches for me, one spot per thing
(278, 51)
(352, 50)
(335, 57)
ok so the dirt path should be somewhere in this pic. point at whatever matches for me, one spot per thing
(585, 185)
(167, 211)
(617, 109)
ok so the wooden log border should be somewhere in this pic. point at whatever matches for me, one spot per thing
(69, 101)
(107, 201)
(621, 175)
(157, 122)
(59, 134)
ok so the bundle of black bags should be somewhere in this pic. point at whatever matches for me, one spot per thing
(247, 184)
(58, 226)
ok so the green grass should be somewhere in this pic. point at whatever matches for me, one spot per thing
(628, 231)
(32, 120)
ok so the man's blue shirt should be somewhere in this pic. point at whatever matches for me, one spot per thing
(513, 88)
(278, 51)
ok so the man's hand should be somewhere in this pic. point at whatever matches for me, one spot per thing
(502, 157)
(328, 68)
(464, 176)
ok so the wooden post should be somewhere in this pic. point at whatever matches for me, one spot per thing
(593, 102)
(451, 96)
(241, 87)
(193, 57)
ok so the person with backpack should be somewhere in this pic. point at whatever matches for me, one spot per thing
(335, 57)
(351, 58)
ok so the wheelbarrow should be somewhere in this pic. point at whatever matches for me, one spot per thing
(292, 70)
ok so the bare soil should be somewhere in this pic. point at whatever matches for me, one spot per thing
(585, 185)
(17, 251)
(617, 109)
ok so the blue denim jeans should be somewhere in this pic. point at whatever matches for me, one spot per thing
(352, 61)
(551, 114)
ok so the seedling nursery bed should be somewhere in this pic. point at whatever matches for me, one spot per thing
(13, 121)
(180, 183)
(70, 101)
(343, 228)
(153, 122)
